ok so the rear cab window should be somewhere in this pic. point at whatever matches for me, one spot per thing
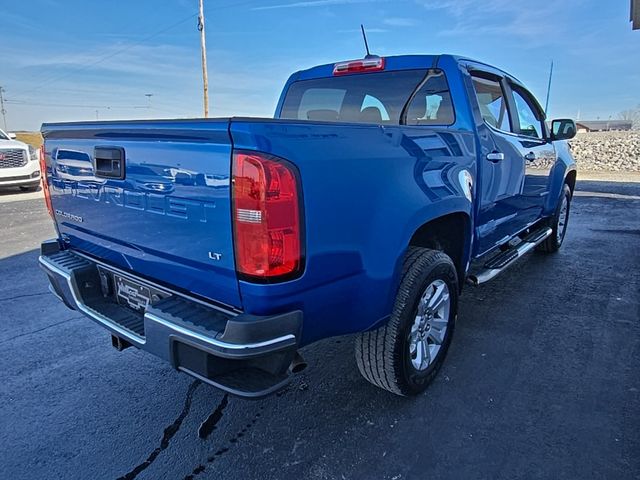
(411, 97)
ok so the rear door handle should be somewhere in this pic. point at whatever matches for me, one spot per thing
(530, 157)
(495, 157)
(108, 162)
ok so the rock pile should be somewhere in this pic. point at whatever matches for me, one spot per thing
(607, 151)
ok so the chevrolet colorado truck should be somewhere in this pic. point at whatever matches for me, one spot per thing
(379, 189)
(19, 165)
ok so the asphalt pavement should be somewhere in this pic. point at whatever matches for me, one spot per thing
(542, 380)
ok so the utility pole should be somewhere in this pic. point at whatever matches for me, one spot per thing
(148, 95)
(203, 45)
(2, 110)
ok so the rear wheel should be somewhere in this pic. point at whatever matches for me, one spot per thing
(558, 223)
(404, 355)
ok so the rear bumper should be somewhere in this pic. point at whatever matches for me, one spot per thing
(242, 354)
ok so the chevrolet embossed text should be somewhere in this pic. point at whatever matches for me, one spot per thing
(171, 206)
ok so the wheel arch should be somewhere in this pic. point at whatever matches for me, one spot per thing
(451, 234)
(563, 173)
(570, 179)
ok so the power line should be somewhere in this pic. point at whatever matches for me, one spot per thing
(110, 55)
(84, 66)
(69, 105)
(46, 75)
(155, 107)
(130, 46)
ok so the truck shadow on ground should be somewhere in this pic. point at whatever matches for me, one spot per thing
(331, 403)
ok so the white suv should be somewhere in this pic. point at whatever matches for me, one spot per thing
(19, 163)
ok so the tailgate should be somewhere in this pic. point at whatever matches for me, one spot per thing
(151, 197)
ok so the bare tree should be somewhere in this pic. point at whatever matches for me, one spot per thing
(632, 114)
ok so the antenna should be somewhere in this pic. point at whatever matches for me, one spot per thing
(546, 105)
(366, 44)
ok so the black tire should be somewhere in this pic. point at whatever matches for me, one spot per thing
(554, 241)
(30, 188)
(383, 355)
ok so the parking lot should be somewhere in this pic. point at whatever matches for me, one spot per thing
(542, 380)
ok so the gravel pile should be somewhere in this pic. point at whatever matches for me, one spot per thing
(607, 151)
(604, 152)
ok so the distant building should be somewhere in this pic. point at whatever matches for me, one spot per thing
(603, 125)
(635, 14)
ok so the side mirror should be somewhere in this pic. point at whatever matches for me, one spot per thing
(12, 136)
(563, 129)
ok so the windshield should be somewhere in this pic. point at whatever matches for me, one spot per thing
(377, 98)
(3, 135)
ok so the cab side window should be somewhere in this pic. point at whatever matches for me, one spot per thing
(529, 118)
(491, 100)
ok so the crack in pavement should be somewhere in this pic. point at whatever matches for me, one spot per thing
(222, 450)
(233, 440)
(209, 425)
(168, 434)
(40, 329)
(24, 296)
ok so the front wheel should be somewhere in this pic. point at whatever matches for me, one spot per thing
(559, 223)
(404, 355)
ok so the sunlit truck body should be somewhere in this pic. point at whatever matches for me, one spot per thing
(226, 245)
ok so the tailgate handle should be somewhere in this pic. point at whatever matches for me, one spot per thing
(108, 162)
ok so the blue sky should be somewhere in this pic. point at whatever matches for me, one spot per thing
(65, 60)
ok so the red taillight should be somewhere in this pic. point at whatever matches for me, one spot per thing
(359, 66)
(45, 183)
(266, 216)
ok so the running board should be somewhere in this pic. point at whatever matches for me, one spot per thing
(501, 262)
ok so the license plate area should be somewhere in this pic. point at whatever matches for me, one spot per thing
(129, 293)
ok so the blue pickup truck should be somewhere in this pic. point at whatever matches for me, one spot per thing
(379, 189)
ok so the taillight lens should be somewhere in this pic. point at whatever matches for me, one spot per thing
(266, 216)
(45, 183)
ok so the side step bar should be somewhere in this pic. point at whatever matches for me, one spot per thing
(501, 262)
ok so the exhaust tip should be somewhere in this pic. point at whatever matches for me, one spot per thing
(119, 343)
(298, 364)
